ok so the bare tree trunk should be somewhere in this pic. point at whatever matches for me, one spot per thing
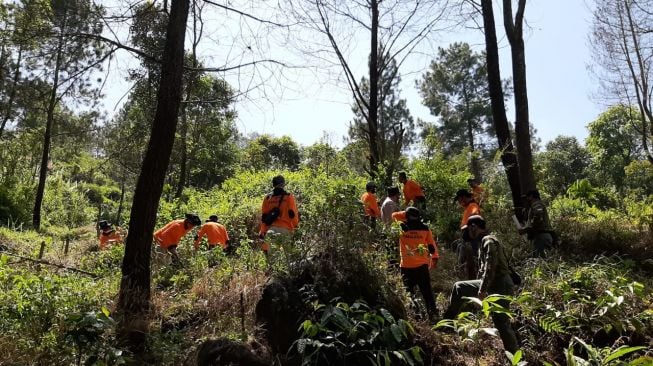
(12, 92)
(47, 136)
(134, 297)
(183, 159)
(514, 32)
(373, 113)
(499, 119)
(122, 199)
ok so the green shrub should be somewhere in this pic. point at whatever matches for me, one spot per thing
(354, 334)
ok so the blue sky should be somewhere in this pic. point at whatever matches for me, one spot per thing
(305, 108)
(559, 85)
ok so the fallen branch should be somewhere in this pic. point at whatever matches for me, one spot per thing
(42, 261)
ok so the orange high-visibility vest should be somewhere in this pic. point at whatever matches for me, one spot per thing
(288, 217)
(112, 236)
(171, 234)
(412, 190)
(215, 233)
(471, 209)
(413, 247)
(370, 205)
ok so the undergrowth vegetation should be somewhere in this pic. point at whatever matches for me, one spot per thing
(577, 307)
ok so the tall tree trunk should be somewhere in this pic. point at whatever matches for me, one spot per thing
(514, 32)
(12, 91)
(373, 113)
(499, 119)
(183, 159)
(475, 165)
(122, 198)
(47, 136)
(134, 297)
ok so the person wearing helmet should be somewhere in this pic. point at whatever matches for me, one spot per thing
(168, 237)
(495, 278)
(413, 192)
(370, 205)
(108, 234)
(216, 234)
(280, 216)
(418, 251)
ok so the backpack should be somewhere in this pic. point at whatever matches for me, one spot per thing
(271, 216)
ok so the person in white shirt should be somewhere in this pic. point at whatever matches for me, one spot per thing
(390, 205)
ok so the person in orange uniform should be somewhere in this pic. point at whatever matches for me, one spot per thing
(108, 234)
(412, 192)
(280, 216)
(418, 251)
(468, 251)
(216, 234)
(478, 192)
(168, 237)
(371, 205)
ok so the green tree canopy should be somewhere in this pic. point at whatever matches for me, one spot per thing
(564, 162)
(269, 152)
(613, 143)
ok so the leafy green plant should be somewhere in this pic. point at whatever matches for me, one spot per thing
(86, 332)
(469, 325)
(597, 356)
(355, 335)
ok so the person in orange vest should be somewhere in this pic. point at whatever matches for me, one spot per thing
(108, 234)
(412, 192)
(216, 234)
(478, 192)
(468, 251)
(168, 237)
(370, 205)
(418, 250)
(280, 216)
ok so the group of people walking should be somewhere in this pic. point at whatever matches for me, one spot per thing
(486, 267)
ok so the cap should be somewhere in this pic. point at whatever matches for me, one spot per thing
(476, 220)
(412, 213)
(462, 193)
(193, 219)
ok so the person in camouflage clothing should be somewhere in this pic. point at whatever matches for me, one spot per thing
(537, 228)
(494, 279)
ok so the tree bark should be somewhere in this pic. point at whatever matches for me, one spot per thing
(47, 136)
(514, 32)
(183, 159)
(12, 92)
(499, 119)
(373, 112)
(122, 199)
(134, 297)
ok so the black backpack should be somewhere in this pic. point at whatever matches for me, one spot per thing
(270, 217)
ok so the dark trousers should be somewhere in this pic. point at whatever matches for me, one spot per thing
(503, 286)
(468, 259)
(541, 242)
(419, 276)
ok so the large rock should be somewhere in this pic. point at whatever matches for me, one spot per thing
(225, 352)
